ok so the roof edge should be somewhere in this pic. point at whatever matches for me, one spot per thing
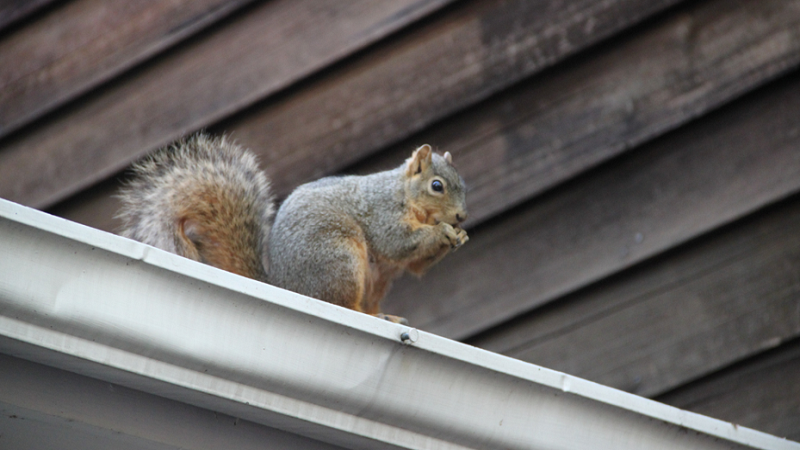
(114, 309)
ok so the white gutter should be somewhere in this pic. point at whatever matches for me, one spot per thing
(103, 306)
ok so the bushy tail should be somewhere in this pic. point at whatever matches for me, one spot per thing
(203, 198)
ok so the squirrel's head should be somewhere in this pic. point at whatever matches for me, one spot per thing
(434, 188)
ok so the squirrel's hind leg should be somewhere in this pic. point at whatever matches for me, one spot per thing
(336, 273)
(380, 277)
(360, 282)
(363, 283)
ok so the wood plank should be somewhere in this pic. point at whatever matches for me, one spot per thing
(87, 42)
(255, 54)
(551, 127)
(95, 207)
(12, 11)
(320, 128)
(446, 65)
(689, 182)
(761, 393)
(711, 303)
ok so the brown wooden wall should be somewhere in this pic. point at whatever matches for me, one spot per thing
(634, 165)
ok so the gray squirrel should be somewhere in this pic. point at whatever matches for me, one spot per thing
(343, 239)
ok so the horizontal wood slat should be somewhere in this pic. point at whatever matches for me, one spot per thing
(87, 42)
(447, 65)
(554, 126)
(95, 206)
(301, 136)
(12, 11)
(688, 314)
(693, 180)
(257, 54)
(759, 393)
(354, 111)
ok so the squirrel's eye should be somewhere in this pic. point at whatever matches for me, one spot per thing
(437, 186)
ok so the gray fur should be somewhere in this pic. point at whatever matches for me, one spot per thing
(166, 180)
(338, 239)
(326, 212)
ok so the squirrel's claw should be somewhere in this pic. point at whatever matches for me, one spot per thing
(461, 239)
(456, 236)
(393, 319)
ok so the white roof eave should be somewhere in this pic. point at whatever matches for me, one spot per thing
(100, 305)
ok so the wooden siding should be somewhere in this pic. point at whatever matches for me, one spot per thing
(12, 11)
(79, 46)
(761, 391)
(634, 165)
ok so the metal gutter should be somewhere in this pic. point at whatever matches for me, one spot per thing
(99, 305)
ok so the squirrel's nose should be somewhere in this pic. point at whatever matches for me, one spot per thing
(461, 217)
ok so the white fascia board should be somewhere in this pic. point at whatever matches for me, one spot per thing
(43, 407)
(100, 305)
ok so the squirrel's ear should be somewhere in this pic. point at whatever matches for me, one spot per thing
(448, 157)
(420, 160)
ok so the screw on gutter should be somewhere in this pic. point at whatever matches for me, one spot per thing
(409, 336)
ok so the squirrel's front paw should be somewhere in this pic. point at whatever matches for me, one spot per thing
(456, 236)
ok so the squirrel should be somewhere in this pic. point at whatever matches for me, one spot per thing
(341, 239)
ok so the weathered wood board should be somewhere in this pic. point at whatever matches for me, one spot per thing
(297, 141)
(696, 179)
(12, 11)
(87, 42)
(259, 53)
(554, 126)
(685, 315)
(448, 64)
(760, 393)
